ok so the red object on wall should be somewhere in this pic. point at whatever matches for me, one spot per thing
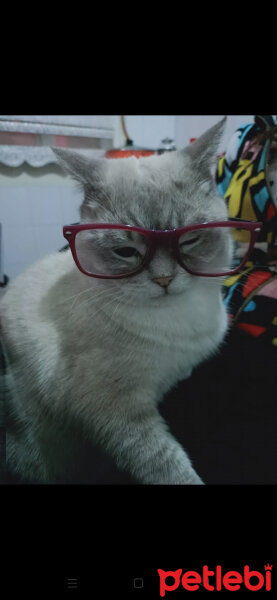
(117, 153)
(192, 140)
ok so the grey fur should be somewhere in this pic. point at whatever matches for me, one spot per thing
(89, 359)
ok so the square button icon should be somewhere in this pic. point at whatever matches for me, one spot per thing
(138, 582)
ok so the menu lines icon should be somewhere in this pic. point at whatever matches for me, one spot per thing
(72, 583)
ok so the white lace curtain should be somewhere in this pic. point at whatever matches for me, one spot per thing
(26, 138)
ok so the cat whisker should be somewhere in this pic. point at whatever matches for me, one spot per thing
(112, 314)
(79, 293)
(92, 300)
(90, 289)
(104, 306)
(78, 296)
(89, 301)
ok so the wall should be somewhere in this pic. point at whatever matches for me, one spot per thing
(149, 130)
(190, 126)
(36, 202)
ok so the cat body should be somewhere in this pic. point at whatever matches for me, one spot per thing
(89, 360)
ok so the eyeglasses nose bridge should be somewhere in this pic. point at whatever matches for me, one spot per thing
(166, 238)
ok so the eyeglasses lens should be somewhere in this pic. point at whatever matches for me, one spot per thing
(110, 252)
(214, 250)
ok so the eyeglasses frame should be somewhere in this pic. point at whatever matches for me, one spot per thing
(166, 237)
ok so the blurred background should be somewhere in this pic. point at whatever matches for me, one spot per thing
(37, 198)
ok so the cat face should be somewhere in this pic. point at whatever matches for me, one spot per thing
(158, 192)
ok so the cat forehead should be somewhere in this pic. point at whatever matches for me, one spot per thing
(160, 192)
(150, 182)
(152, 169)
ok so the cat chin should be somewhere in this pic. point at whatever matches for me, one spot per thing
(163, 300)
(169, 294)
(158, 295)
(170, 298)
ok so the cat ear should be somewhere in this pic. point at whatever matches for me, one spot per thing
(82, 169)
(89, 175)
(203, 152)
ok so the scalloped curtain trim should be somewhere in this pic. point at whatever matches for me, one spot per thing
(39, 156)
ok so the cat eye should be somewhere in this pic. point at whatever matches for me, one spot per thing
(214, 249)
(126, 252)
(188, 242)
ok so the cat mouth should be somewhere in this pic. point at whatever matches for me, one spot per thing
(167, 293)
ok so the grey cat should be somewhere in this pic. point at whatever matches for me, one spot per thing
(90, 359)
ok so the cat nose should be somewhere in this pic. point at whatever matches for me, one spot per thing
(163, 281)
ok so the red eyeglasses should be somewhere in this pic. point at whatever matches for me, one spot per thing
(111, 251)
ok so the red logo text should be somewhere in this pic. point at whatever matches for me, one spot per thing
(231, 581)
